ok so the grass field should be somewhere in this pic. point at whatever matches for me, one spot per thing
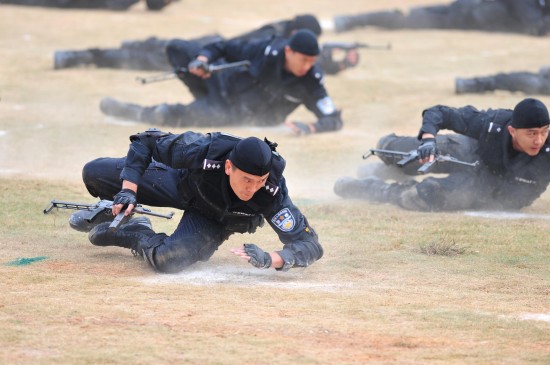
(393, 287)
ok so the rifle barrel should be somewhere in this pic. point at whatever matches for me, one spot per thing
(173, 74)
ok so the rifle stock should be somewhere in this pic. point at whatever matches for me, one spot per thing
(404, 158)
(103, 206)
(174, 74)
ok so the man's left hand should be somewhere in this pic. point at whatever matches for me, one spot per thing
(300, 128)
(254, 255)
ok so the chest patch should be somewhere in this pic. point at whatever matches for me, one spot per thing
(284, 220)
(211, 165)
(271, 188)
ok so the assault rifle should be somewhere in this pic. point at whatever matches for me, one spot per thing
(355, 45)
(407, 157)
(103, 207)
(174, 74)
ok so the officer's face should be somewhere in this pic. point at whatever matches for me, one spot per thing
(297, 63)
(528, 140)
(244, 185)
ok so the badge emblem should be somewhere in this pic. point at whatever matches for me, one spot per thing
(284, 220)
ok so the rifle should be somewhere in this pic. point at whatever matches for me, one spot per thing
(354, 45)
(103, 206)
(174, 74)
(407, 157)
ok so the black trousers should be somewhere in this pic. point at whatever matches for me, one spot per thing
(196, 238)
(463, 187)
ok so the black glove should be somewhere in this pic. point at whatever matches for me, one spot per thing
(125, 197)
(427, 148)
(258, 257)
(300, 128)
(198, 64)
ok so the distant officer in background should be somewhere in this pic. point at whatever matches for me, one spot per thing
(281, 77)
(150, 54)
(518, 16)
(89, 4)
(512, 147)
(523, 81)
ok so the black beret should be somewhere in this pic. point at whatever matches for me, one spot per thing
(156, 4)
(307, 21)
(530, 113)
(253, 156)
(304, 41)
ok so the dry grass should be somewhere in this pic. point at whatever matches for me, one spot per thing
(373, 298)
(444, 247)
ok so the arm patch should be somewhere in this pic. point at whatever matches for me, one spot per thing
(284, 220)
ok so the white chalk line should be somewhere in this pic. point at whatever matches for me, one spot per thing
(506, 215)
(213, 275)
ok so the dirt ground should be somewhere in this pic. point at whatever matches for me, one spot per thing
(371, 299)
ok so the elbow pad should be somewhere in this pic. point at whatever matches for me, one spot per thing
(148, 138)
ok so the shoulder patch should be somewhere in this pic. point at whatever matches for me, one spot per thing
(271, 189)
(211, 165)
(326, 106)
(284, 220)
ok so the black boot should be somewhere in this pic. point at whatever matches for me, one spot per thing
(84, 220)
(163, 115)
(115, 108)
(132, 235)
(68, 59)
(371, 189)
(120, 4)
(475, 85)
(385, 19)
(156, 5)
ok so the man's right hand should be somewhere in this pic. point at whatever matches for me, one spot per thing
(124, 198)
(427, 150)
(199, 67)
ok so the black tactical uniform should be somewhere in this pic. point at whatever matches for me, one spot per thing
(186, 171)
(150, 54)
(264, 94)
(88, 4)
(506, 178)
(517, 16)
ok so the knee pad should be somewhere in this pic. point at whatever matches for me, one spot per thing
(180, 52)
(167, 259)
(411, 200)
(431, 193)
(384, 142)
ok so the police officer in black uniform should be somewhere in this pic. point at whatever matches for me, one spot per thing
(224, 183)
(150, 54)
(522, 81)
(89, 4)
(517, 16)
(282, 76)
(512, 147)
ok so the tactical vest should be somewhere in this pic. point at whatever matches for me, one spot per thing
(212, 193)
(492, 150)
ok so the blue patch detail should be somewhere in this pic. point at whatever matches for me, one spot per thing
(284, 220)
